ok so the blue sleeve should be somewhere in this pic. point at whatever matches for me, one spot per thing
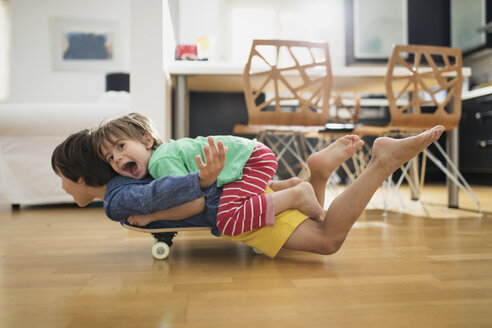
(159, 194)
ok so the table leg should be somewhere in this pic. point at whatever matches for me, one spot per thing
(181, 108)
(452, 143)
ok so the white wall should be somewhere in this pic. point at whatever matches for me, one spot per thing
(33, 78)
(150, 24)
(4, 50)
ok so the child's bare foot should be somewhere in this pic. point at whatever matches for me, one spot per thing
(390, 154)
(325, 161)
(307, 203)
(284, 184)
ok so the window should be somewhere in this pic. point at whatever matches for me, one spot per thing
(378, 25)
(466, 19)
(284, 19)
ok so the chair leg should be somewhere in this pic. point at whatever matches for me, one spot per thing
(453, 174)
(392, 188)
(385, 188)
(414, 177)
(283, 142)
(304, 142)
(280, 153)
(348, 172)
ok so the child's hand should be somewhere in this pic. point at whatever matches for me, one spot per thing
(139, 220)
(214, 162)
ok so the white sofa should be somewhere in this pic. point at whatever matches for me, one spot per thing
(28, 135)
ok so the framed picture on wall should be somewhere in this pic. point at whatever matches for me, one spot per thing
(83, 44)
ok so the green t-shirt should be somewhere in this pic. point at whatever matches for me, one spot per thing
(177, 157)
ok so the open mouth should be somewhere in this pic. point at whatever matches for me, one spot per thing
(131, 167)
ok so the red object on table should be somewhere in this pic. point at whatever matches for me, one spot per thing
(186, 52)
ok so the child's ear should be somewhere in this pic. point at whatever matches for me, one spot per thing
(149, 140)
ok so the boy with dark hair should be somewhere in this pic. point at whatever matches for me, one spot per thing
(86, 177)
(89, 167)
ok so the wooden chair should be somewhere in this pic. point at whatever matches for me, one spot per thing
(415, 89)
(287, 87)
(423, 87)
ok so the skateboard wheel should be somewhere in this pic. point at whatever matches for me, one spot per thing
(256, 251)
(160, 250)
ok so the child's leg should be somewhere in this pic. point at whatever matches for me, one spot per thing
(278, 185)
(301, 197)
(387, 156)
(240, 205)
(323, 163)
(244, 207)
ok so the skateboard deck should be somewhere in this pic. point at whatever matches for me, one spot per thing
(162, 230)
(163, 238)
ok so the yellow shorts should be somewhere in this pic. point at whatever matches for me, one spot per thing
(269, 240)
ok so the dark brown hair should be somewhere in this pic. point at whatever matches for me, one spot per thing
(75, 158)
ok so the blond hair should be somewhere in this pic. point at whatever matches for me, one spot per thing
(132, 126)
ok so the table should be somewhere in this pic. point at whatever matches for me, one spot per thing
(227, 77)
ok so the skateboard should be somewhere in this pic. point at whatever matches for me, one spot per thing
(163, 238)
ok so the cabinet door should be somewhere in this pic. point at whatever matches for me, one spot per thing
(476, 135)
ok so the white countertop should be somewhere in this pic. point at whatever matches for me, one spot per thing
(477, 93)
(230, 68)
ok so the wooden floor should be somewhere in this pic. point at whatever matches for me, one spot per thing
(71, 267)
